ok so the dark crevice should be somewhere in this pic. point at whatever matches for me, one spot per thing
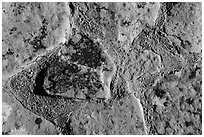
(72, 8)
(38, 89)
(68, 129)
(169, 6)
(193, 73)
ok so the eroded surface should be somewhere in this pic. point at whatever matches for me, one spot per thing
(102, 68)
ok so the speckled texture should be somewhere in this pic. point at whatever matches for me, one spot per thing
(100, 68)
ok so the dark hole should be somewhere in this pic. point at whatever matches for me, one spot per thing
(38, 121)
(166, 104)
(189, 100)
(188, 123)
(192, 74)
(180, 89)
(159, 92)
(167, 124)
(154, 107)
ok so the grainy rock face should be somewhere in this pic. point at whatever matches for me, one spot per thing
(102, 68)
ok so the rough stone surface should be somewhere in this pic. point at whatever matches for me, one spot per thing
(96, 68)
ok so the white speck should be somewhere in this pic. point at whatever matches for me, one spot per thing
(21, 131)
(6, 110)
